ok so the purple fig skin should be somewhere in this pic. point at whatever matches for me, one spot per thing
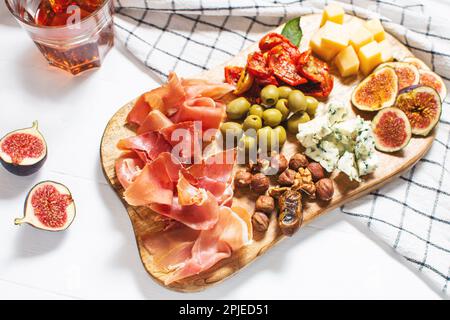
(23, 170)
(410, 88)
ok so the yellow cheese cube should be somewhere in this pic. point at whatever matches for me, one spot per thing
(376, 28)
(317, 48)
(347, 62)
(369, 57)
(360, 37)
(332, 12)
(386, 51)
(334, 36)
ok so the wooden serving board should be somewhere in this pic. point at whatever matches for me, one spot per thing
(390, 166)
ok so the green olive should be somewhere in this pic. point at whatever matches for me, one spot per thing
(269, 95)
(248, 143)
(272, 117)
(283, 92)
(256, 110)
(237, 108)
(295, 120)
(252, 122)
(282, 107)
(266, 136)
(231, 128)
(280, 131)
(296, 101)
(311, 106)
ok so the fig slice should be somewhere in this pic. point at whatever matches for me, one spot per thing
(391, 130)
(422, 105)
(23, 151)
(377, 91)
(419, 64)
(408, 74)
(433, 80)
(49, 206)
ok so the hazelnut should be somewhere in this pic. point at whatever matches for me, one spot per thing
(259, 183)
(265, 204)
(287, 177)
(279, 163)
(242, 179)
(298, 161)
(324, 189)
(260, 221)
(316, 171)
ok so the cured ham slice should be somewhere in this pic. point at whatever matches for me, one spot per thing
(166, 99)
(200, 216)
(171, 247)
(231, 232)
(189, 194)
(139, 111)
(218, 166)
(155, 184)
(128, 167)
(185, 139)
(204, 109)
(215, 175)
(155, 121)
(148, 145)
(195, 88)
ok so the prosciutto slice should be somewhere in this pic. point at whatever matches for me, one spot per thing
(148, 145)
(230, 233)
(202, 216)
(128, 167)
(185, 139)
(204, 109)
(166, 99)
(155, 184)
(155, 121)
(202, 88)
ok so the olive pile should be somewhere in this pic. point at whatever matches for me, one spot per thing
(281, 108)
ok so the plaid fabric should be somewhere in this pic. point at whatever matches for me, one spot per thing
(412, 214)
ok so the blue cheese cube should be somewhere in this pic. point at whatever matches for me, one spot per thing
(326, 153)
(346, 131)
(367, 165)
(312, 132)
(336, 113)
(364, 142)
(347, 165)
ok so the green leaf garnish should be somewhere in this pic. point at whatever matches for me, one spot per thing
(292, 31)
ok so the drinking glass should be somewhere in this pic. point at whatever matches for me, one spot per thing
(76, 44)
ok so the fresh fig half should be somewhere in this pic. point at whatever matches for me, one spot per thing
(431, 79)
(49, 206)
(24, 151)
(422, 105)
(391, 130)
(419, 64)
(408, 74)
(377, 91)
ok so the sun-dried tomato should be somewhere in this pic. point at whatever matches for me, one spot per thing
(312, 68)
(232, 74)
(271, 40)
(257, 65)
(266, 81)
(283, 67)
(319, 90)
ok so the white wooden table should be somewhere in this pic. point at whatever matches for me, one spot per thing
(96, 258)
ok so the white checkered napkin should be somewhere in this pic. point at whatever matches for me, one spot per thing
(412, 214)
